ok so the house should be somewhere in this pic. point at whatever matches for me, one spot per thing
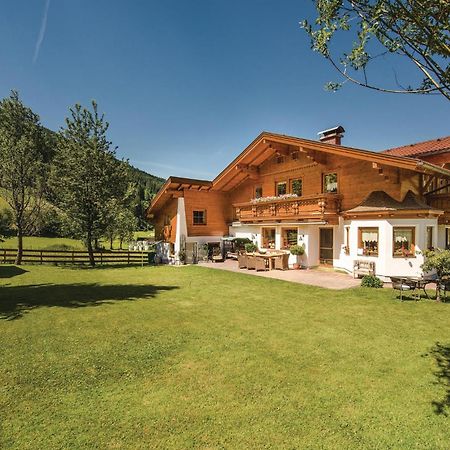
(342, 204)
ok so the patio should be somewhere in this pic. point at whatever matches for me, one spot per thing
(322, 277)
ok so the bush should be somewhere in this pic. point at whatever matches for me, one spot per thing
(297, 250)
(250, 247)
(371, 281)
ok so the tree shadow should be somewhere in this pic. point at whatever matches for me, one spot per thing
(11, 271)
(18, 300)
(441, 355)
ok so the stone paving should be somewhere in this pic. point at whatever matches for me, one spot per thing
(322, 277)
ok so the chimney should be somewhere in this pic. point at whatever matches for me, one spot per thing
(332, 136)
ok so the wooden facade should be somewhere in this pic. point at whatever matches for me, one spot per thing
(273, 165)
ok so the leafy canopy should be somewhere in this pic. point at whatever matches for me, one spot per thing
(415, 30)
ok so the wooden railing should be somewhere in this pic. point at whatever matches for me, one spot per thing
(8, 256)
(312, 207)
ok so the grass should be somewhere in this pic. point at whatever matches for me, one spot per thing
(57, 243)
(189, 357)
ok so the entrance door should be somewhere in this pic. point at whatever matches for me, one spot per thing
(326, 246)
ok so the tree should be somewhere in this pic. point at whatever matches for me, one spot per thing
(86, 175)
(439, 261)
(22, 159)
(417, 30)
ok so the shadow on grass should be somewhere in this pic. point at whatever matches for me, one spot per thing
(441, 355)
(17, 300)
(11, 271)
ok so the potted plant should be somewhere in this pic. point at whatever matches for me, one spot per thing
(251, 247)
(297, 250)
(182, 256)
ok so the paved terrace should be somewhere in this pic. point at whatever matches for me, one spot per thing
(326, 278)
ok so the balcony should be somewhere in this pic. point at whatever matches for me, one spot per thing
(323, 207)
(440, 201)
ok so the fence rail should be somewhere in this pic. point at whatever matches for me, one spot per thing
(8, 256)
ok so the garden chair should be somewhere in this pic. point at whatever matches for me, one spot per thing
(242, 261)
(282, 262)
(251, 262)
(405, 284)
(260, 263)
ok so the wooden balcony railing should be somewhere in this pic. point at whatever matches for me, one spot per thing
(311, 207)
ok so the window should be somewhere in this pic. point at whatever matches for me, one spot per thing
(295, 155)
(368, 241)
(297, 186)
(281, 188)
(404, 241)
(330, 183)
(268, 238)
(347, 241)
(280, 159)
(258, 192)
(430, 238)
(289, 237)
(199, 217)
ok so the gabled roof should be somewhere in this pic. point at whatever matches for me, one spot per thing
(172, 186)
(265, 146)
(421, 148)
(380, 202)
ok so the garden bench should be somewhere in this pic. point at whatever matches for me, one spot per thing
(361, 268)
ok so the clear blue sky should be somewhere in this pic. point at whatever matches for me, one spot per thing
(186, 85)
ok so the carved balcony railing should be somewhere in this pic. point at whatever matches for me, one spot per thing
(306, 208)
(440, 201)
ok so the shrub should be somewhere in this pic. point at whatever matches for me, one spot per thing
(371, 281)
(250, 247)
(297, 250)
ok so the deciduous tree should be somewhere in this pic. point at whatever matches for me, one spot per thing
(415, 30)
(22, 165)
(86, 174)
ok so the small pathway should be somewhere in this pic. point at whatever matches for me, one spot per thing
(326, 278)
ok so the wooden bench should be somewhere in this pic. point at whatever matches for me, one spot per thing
(361, 268)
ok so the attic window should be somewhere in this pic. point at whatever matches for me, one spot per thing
(199, 217)
(280, 159)
(295, 155)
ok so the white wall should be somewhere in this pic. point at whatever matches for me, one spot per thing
(385, 264)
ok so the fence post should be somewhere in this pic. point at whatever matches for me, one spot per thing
(101, 257)
(4, 255)
(128, 257)
(42, 260)
(73, 257)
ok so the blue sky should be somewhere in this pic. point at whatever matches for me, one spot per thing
(187, 85)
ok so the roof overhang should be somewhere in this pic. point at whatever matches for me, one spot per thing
(266, 145)
(174, 187)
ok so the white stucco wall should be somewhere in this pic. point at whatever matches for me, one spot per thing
(385, 263)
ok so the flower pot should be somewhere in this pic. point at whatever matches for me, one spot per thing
(296, 266)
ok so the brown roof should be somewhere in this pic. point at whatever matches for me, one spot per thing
(379, 201)
(421, 148)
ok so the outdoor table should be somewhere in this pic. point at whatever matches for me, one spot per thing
(421, 283)
(269, 257)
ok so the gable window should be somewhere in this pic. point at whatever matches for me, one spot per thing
(297, 186)
(368, 241)
(404, 241)
(330, 183)
(268, 238)
(295, 155)
(258, 192)
(289, 238)
(281, 188)
(430, 238)
(199, 217)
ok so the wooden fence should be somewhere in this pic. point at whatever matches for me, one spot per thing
(8, 256)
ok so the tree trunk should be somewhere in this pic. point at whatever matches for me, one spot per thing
(111, 243)
(19, 246)
(121, 241)
(90, 249)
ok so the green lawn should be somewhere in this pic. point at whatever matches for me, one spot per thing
(189, 357)
(57, 243)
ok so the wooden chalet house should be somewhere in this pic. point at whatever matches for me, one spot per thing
(343, 204)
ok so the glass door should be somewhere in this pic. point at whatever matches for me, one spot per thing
(326, 246)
